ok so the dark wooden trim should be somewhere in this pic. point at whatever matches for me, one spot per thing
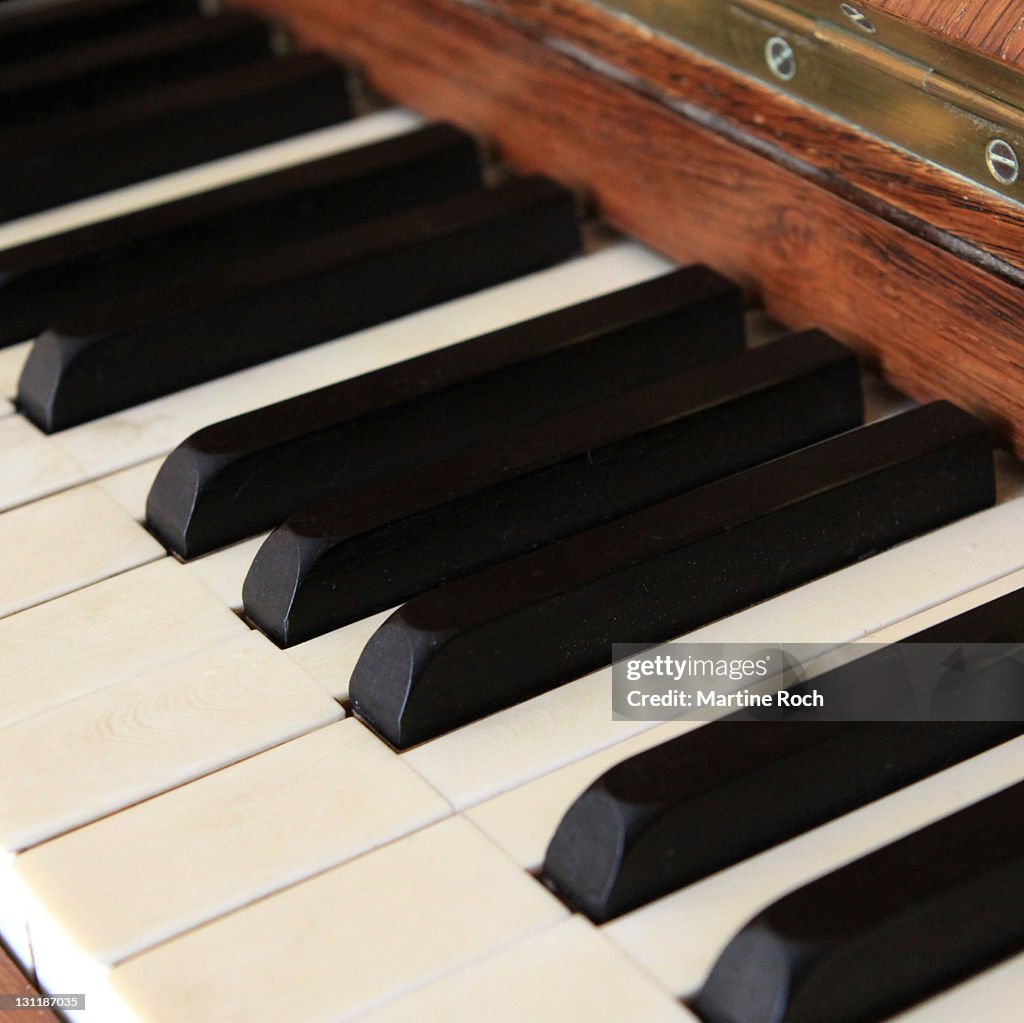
(13, 982)
(973, 221)
(938, 325)
(992, 27)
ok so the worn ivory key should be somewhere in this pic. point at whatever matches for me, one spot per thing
(116, 887)
(395, 919)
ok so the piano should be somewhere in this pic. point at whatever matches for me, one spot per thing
(369, 369)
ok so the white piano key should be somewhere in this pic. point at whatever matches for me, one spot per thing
(523, 819)
(31, 465)
(994, 996)
(331, 657)
(117, 887)
(287, 153)
(126, 742)
(224, 571)
(6, 408)
(678, 938)
(152, 429)
(104, 634)
(130, 487)
(500, 752)
(340, 942)
(565, 974)
(64, 542)
(12, 359)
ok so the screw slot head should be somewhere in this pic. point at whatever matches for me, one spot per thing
(858, 17)
(781, 59)
(1002, 161)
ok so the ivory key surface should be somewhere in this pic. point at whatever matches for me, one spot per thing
(340, 942)
(117, 887)
(565, 973)
(105, 633)
(129, 487)
(31, 465)
(64, 542)
(101, 752)
(224, 571)
(136, 738)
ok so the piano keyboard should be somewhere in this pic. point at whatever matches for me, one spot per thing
(204, 823)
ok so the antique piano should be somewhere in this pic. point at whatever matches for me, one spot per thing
(369, 368)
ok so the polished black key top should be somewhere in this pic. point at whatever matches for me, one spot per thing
(884, 932)
(361, 553)
(291, 297)
(704, 801)
(114, 69)
(341, 438)
(489, 640)
(45, 29)
(163, 130)
(157, 249)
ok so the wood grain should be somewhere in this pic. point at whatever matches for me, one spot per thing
(992, 27)
(13, 982)
(127, 742)
(818, 248)
(129, 624)
(833, 154)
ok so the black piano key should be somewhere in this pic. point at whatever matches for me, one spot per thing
(458, 653)
(117, 68)
(884, 932)
(708, 800)
(346, 436)
(361, 553)
(290, 297)
(33, 33)
(158, 248)
(163, 130)
(704, 801)
(364, 161)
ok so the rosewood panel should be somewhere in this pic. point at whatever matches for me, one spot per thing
(993, 27)
(915, 299)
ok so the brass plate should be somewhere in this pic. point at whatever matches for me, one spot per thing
(847, 73)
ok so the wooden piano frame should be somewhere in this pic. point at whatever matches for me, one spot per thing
(920, 270)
